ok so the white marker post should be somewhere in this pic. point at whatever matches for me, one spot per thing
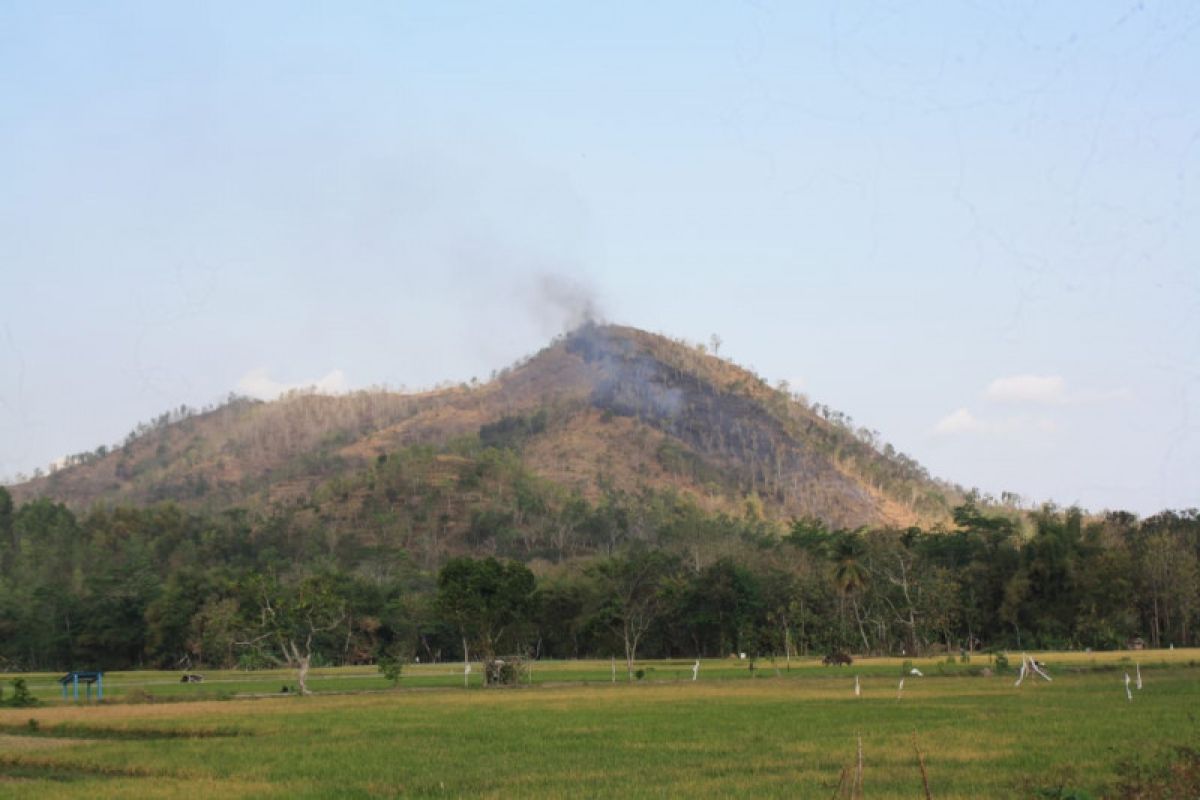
(900, 689)
(695, 669)
(1034, 665)
(857, 688)
(1128, 694)
(1139, 676)
(1023, 672)
(466, 674)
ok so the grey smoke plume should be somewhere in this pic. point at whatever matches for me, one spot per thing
(563, 303)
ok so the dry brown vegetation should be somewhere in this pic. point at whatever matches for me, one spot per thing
(623, 409)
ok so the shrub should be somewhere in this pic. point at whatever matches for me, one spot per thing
(390, 666)
(504, 672)
(21, 698)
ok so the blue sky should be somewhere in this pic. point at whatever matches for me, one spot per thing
(972, 229)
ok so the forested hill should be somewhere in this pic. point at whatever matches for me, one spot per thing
(616, 491)
(603, 410)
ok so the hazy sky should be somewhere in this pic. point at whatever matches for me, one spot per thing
(974, 227)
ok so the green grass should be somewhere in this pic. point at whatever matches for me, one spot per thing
(573, 733)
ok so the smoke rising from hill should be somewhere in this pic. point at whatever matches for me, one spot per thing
(562, 304)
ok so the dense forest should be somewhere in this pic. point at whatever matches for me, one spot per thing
(462, 546)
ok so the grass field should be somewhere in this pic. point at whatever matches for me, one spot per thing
(573, 733)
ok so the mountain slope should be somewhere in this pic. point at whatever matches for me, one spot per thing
(603, 408)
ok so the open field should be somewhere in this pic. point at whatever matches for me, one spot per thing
(727, 734)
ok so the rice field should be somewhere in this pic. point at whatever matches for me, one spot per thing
(572, 732)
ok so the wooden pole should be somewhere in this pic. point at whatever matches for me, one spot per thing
(858, 775)
(921, 762)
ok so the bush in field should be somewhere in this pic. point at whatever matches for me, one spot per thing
(1000, 661)
(21, 698)
(391, 665)
(504, 672)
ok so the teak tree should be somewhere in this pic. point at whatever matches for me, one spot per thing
(292, 618)
(484, 600)
(632, 588)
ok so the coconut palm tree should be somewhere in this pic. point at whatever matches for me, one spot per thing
(850, 578)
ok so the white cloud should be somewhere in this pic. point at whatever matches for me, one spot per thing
(963, 421)
(960, 421)
(1044, 389)
(257, 383)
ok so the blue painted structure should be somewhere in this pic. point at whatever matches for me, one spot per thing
(87, 679)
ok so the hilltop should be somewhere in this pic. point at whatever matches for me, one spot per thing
(602, 409)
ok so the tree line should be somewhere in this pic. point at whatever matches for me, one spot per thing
(645, 577)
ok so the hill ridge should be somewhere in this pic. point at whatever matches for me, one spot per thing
(619, 407)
